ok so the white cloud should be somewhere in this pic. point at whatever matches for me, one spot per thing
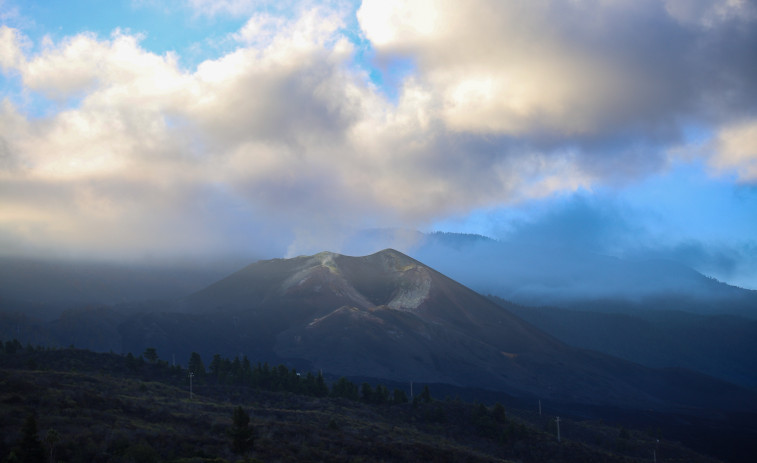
(736, 150)
(10, 48)
(285, 138)
(85, 65)
(512, 67)
(263, 129)
(574, 70)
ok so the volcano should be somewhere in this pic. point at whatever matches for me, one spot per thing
(388, 316)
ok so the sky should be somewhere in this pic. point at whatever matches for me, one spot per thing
(145, 129)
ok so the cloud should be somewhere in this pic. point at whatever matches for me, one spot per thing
(580, 222)
(584, 225)
(616, 81)
(286, 141)
(526, 67)
(583, 245)
(265, 131)
(736, 150)
(10, 48)
(708, 13)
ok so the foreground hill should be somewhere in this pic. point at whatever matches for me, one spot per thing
(104, 407)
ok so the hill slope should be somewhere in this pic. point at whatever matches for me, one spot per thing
(106, 407)
(722, 346)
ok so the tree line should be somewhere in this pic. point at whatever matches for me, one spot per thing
(279, 378)
(240, 371)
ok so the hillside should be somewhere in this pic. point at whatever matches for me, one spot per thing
(722, 346)
(106, 407)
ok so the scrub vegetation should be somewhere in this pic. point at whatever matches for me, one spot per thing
(74, 405)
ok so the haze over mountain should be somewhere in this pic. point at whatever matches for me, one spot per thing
(525, 273)
(553, 273)
(640, 311)
(45, 288)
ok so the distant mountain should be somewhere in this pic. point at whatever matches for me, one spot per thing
(548, 274)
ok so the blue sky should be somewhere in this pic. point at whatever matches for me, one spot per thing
(146, 129)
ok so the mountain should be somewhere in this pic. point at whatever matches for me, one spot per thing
(527, 273)
(384, 316)
(389, 316)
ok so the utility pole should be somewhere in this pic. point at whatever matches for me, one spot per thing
(539, 407)
(557, 420)
(654, 451)
(191, 375)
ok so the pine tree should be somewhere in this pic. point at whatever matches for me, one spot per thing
(498, 413)
(321, 388)
(151, 355)
(215, 367)
(399, 397)
(426, 395)
(195, 365)
(242, 435)
(30, 448)
(380, 395)
(345, 388)
(246, 371)
(366, 393)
